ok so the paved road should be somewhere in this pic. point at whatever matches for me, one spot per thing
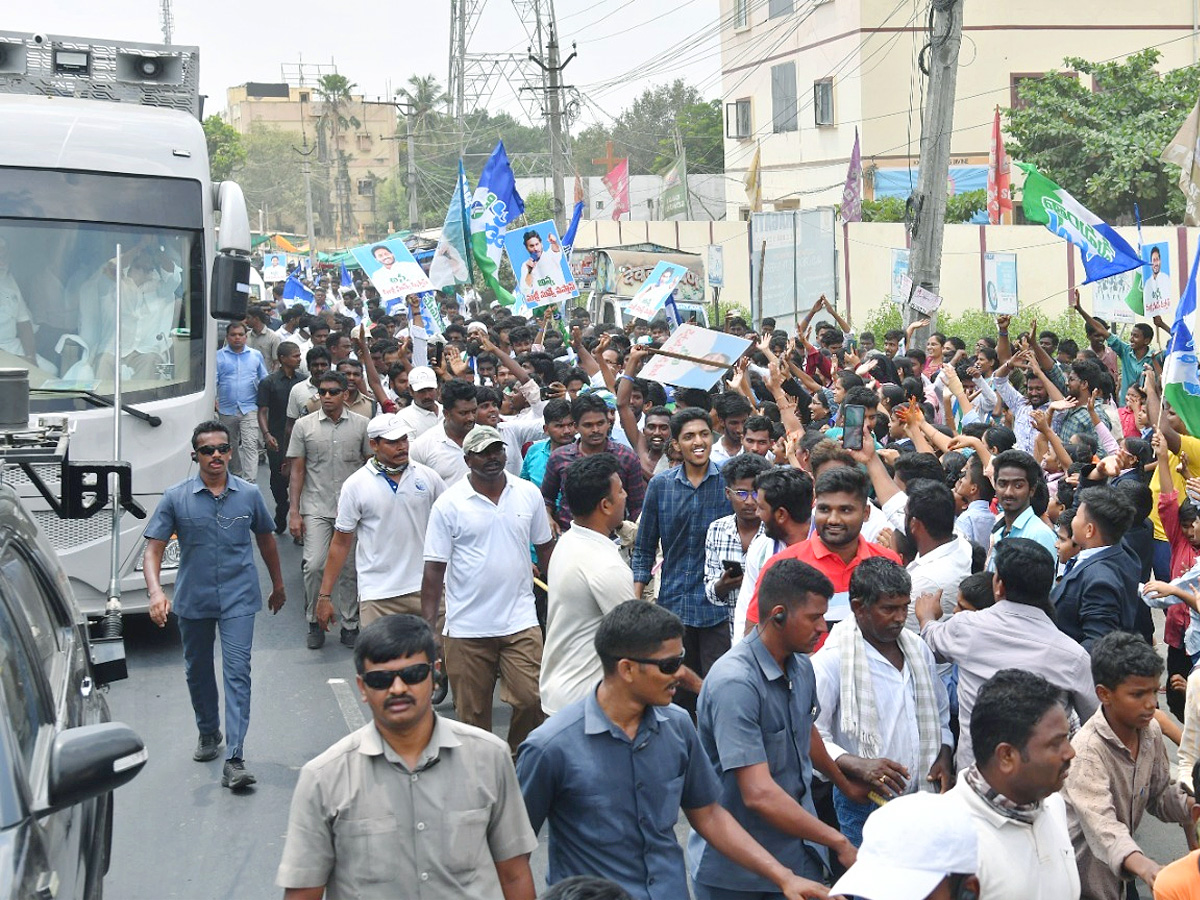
(180, 835)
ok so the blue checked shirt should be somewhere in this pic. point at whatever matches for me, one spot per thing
(678, 515)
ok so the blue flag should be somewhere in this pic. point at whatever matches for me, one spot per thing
(347, 281)
(1181, 379)
(569, 237)
(494, 205)
(1104, 251)
(451, 263)
(294, 289)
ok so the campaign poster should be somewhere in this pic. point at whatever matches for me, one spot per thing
(1108, 298)
(1000, 283)
(275, 267)
(392, 269)
(923, 301)
(653, 294)
(1158, 293)
(899, 271)
(718, 350)
(716, 265)
(542, 269)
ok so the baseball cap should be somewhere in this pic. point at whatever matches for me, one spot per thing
(604, 394)
(909, 846)
(388, 426)
(480, 438)
(420, 378)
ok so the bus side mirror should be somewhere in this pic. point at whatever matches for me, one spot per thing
(230, 287)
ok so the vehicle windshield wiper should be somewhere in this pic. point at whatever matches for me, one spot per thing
(100, 400)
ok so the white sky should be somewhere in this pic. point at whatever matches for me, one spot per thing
(242, 41)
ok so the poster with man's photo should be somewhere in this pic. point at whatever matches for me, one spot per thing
(1158, 293)
(275, 267)
(709, 354)
(658, 286)
(539, 264)
(393, 269)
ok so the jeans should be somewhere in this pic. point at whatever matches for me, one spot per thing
(851, 816)
(237, 636)
(245, 438)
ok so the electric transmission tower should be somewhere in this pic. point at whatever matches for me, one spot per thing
(168, 23)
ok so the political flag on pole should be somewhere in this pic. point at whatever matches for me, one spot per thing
(1181, 381)
(576, 214)
(852, 192)
(674, 199)
(1136, 298)
(451, 264)
(347, 281)
(294, 289)
(1104, 251)
(617, 182)
(1182, 152)
(754, 182)
(999, 190)
(495, 204)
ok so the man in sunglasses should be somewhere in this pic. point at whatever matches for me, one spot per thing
(326, 448)
(729, 537)
(611, 772)
(411, 798)
(213, 514)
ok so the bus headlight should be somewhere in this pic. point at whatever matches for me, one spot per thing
(170, 557)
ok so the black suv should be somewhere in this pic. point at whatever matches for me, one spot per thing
(60, 757)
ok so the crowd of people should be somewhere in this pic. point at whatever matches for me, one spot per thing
(911, 659)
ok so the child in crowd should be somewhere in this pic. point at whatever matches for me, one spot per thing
(975, 593)
(1121, 771)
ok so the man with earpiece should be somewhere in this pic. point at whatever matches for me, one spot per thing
(756, 715)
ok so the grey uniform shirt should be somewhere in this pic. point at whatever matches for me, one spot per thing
(368, 828)
(330, 452)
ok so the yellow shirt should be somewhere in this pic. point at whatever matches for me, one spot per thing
(1190, 446)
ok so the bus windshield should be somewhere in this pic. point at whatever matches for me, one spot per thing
(62, 300)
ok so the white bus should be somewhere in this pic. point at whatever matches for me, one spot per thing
(102, 153)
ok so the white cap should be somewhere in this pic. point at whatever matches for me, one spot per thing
(473, 327)
(388, 426)
(420, 378)
(909, 846)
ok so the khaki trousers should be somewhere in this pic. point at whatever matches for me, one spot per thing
(370, 610)
(473, 665)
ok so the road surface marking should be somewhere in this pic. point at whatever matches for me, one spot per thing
(348, 703)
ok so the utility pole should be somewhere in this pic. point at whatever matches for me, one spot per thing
(306, 168)
(410, 176)
(552, 69)
(927, 212)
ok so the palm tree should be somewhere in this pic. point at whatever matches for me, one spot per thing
(336, 93)
(425, 95)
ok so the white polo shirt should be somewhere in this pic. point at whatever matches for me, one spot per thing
(419, 419)
(485, 545)
(438, 450)
(587, 578)
(389, 519)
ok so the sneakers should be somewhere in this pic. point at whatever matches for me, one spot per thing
(349, 637)
(234, 776)
(316, 637)
(208, 747)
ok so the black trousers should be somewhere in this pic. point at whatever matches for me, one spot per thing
(279, 483)
(701, 647)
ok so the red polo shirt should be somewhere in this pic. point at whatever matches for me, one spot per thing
(828, 563)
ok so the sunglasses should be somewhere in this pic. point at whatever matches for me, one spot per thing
(382, 679)
(743, 495)
(210, 449)
(333, 392)
(668, 666)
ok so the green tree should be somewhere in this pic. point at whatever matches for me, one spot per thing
(645, 132)
(271, 176)
(959, 208)
(336, 93)
(426, 96)
(539, 206)
(1103, 145)
(225, 150)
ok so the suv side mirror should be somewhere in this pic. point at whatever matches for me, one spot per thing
(230, 287)
(91, 760)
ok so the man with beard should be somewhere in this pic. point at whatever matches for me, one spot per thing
(424, 412)
(652, 438)
(756, 717)
(477, 549)
(1022, 405)
(1021, 737)
(840, 508)
(784, 506)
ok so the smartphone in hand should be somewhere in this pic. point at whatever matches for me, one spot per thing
(852, 426)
